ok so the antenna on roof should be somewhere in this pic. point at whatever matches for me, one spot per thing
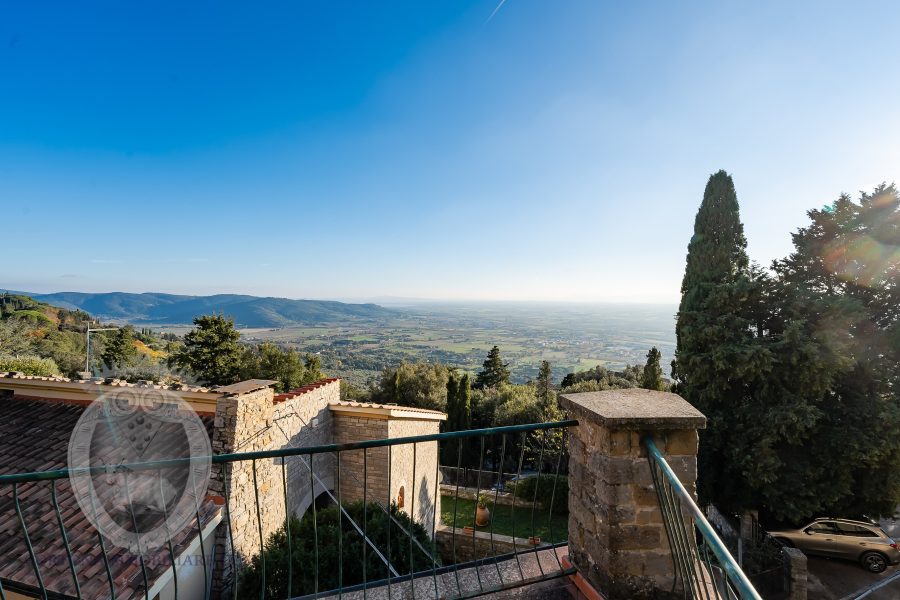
(87, 352)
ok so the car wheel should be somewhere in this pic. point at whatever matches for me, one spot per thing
(873, 562)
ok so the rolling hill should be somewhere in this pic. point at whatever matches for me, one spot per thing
(247, 311)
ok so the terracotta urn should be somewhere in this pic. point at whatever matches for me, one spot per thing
(482, 516)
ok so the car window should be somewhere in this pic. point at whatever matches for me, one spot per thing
(823, 527)
(855, 530)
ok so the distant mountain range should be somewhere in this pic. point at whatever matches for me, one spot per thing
(247, 311)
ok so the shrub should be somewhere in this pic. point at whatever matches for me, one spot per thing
(303, 551)
(32, 316)
(525, 489)
(30, 365)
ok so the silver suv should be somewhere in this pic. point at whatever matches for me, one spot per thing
(842, 538)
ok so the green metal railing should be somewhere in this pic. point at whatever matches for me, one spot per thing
(703, 565)
(477, 561)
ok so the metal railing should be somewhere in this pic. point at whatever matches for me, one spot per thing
(704, 567)
(400, 550)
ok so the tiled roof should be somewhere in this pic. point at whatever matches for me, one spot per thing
(354, 403)
(108, 381)
(34, 436)
(393, 411)
(304, 389)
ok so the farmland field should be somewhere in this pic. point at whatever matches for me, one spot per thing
(570, 336)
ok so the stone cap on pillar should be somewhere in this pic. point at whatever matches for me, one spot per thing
(634, 409)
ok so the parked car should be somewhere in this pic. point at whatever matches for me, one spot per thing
(859, 541)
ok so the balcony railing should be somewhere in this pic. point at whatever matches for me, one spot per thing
(371, 544)
(703, 564)
(458, 559)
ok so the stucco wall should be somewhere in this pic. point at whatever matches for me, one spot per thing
(421, 487)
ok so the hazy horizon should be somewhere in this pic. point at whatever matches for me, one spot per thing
(550, 152)
(387, 301)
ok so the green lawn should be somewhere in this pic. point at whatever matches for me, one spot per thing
(506, 520)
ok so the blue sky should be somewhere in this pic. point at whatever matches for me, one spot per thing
(557, 151)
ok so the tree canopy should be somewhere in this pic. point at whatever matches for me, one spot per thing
(651, 378)
(120, 350)
(493, 372)
(320, 547)
(797, 369)
(286, 366)
(422, 385)
(211, 351)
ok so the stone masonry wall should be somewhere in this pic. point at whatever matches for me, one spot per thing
(457, 545)
(254, 421)
(305, 421)
(392, 465)
(617, 538)
(243, 424)
(375, 467)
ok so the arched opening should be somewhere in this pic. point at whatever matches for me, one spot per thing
(401, 497)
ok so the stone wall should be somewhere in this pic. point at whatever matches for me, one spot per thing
(363, 477)
(616, 534)
(468, 545)
(252, 422)
(795, 572)
(305, 421)
(389, 470)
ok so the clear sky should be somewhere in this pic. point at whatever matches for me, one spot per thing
(557, 151)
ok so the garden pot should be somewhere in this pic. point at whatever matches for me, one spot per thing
(482, 516)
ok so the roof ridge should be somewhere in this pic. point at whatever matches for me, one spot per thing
(110, 381)
(303, 389)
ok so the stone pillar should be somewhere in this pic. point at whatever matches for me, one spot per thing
(617, 539)
(795, 573)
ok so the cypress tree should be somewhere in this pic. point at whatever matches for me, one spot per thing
(716, 358)
(544, 384)
(652, 377)
(452, 397)
(464, 403)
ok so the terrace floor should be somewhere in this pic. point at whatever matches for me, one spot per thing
(529, 570)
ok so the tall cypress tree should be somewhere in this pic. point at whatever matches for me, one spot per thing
(652, 377)
(464, 403)
(544, 384)
(717, 357)
(452, 395)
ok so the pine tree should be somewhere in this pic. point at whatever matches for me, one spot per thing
(652, 377)
(211, 351)
(494, 371)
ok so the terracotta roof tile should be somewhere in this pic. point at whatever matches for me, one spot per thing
(303, 389)
(34, 436)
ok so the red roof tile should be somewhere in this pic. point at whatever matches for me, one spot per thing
(34, 436)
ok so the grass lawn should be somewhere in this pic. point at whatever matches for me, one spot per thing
(505, 519)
